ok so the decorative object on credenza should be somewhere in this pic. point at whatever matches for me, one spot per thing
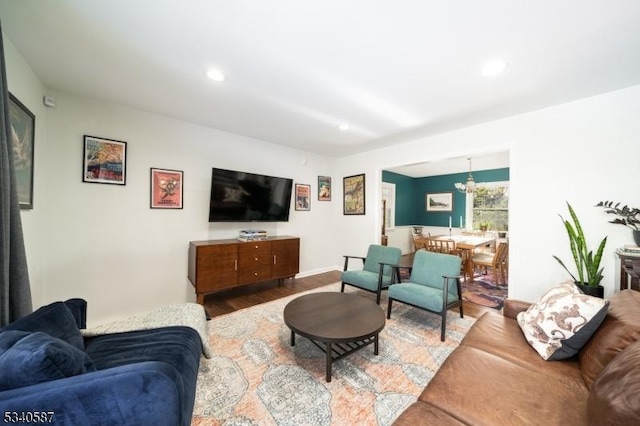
(587, 263)
(166, 188)
(23, 124)
(105, 161)
(627, 216)
(353, 202)
(438, 202)
(324, 188)
(303, 197)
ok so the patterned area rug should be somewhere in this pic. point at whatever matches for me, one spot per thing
(484, 291)
(255, 377)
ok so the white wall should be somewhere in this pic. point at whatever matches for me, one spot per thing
(581, 152)
(24, 85)
(105, 244)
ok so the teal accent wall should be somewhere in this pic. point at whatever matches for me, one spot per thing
(405, 209)
(410, 205)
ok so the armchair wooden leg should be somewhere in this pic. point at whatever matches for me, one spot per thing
(378, 296)
(389, 309)
(342, 289)
(443, 326)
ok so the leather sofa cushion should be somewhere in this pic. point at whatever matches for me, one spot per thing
(620, 328)
(615, 396)
(480, 388)
(501, 336)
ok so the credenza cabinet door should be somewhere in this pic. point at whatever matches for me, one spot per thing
(217, 267)
(285, 258)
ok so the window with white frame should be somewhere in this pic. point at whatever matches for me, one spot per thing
(488, 206)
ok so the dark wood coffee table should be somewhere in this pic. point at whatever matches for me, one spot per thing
(338, 323)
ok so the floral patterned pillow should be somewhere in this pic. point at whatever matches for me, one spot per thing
(559, 323)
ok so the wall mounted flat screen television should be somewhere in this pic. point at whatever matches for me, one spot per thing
(248, 197)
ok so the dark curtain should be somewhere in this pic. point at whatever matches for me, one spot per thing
(15, 292)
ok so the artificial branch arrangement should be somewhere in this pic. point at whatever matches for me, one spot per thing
(627, 216)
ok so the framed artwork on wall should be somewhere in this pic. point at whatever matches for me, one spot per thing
(353, 201)
(303, 197)
(438, 202)
(166, 188)
(324, 188)
(105, 161)
(23, 126)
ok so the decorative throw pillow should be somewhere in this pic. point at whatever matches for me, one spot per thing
(55, 319)
(559, 323)
(30, 358)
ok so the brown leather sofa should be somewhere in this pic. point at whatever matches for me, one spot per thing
(494, 377)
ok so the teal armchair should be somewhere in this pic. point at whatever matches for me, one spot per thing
(434, 285)
(377, 273)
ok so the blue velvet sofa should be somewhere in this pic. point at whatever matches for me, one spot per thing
(51, 373)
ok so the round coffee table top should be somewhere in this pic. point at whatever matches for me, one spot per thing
(334, 317)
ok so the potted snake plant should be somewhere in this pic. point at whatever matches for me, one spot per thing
(587, 263)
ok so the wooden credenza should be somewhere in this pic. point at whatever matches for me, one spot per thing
(217, 265)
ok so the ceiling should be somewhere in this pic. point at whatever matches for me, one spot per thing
(295, 70)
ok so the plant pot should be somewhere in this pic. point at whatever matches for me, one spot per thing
(592, 291)
(636, 237)
(502, 234)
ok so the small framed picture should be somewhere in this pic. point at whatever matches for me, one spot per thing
(23, 127)
(303, 197)
(166, 188)
(438, 202)
(354, 195)
(105, 161)
(324, 188)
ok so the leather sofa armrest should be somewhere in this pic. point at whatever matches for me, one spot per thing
(513, 307)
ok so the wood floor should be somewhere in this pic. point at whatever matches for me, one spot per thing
(221, 303)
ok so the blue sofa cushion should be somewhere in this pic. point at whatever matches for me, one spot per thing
(55, 320)
(30, 358)
(177, 346)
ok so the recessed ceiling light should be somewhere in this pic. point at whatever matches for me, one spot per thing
(216, 75)
(343, 127)
(494, 67)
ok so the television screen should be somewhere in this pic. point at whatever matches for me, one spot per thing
(248, 197)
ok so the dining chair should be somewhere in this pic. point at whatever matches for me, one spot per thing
(445, 246)
(434, 286)
(498, 262)
(377, 271)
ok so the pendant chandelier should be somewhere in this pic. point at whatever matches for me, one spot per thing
(470, 185)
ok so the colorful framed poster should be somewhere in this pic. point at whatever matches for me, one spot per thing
(166, 188)
(303, 197)
(23, 125)
(354, 195)
(105, 161)
(324, 188)
(438, 202)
